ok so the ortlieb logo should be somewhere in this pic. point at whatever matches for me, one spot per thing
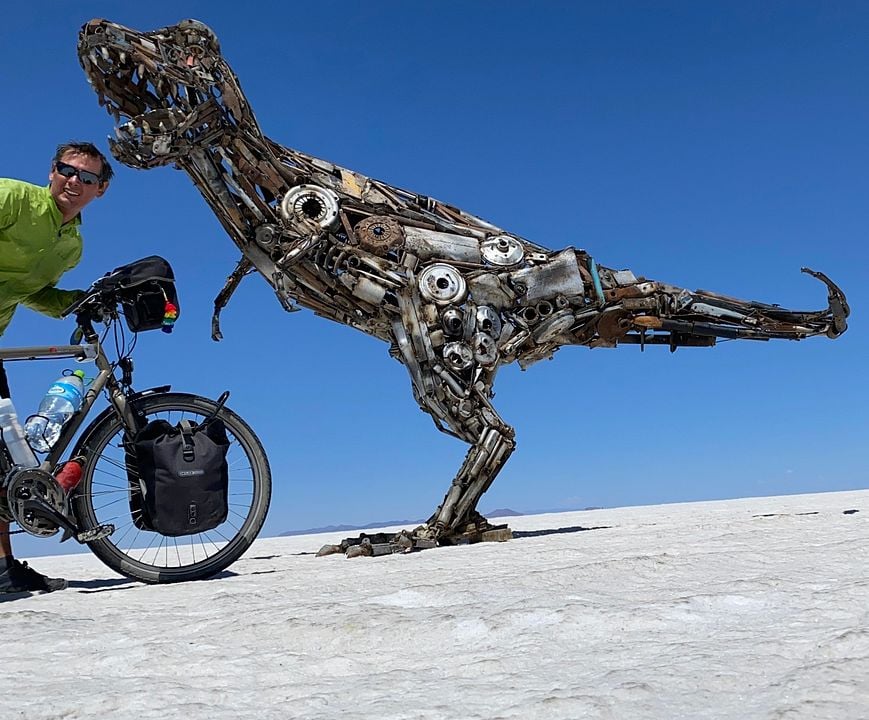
(190, 473)
(191, 514)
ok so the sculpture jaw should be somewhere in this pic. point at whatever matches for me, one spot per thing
(166, 89)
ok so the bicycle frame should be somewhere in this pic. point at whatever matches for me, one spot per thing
(119, 400)
(105, 379)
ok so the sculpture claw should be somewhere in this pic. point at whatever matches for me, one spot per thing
(366, 545)
(363, 549)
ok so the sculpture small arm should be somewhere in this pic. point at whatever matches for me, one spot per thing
(455, 296)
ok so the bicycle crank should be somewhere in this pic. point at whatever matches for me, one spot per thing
(38, 503)
(35, 500)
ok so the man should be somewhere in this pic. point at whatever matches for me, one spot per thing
(39, 242)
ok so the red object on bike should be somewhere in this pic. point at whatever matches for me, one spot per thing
(70, 474)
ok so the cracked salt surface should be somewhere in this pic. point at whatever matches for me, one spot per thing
(734, 609)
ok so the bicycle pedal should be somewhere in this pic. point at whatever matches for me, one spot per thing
(95, 533)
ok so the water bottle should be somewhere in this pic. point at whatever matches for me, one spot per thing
(13, 436)
(60, 402)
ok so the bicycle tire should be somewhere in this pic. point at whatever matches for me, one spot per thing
(102, 497)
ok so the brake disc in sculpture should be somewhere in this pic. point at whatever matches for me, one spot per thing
(454, 296)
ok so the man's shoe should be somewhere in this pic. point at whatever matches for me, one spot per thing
(20, 577)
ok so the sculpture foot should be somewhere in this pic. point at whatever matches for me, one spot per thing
(329, 550)
(371, 545)
(477, 529)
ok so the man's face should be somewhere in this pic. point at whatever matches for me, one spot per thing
(70, 193)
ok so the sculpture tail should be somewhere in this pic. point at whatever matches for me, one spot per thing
(697, 318)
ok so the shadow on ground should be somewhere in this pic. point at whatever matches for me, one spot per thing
(519, 534)
(104, 584)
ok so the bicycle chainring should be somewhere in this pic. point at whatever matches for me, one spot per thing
(32, 483)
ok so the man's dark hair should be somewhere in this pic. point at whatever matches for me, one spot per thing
(89, 149)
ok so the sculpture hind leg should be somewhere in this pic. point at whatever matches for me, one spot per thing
(459, 403)
(456, 519)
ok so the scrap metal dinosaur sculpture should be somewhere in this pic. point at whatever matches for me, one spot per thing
(454, 296)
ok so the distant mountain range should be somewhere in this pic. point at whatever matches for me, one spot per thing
(499, 513)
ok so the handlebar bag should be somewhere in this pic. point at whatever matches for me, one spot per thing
(145, 289)
(179, 478)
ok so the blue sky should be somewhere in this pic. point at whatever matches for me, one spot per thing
(711, 145)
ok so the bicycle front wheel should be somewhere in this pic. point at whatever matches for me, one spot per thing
(103, 496)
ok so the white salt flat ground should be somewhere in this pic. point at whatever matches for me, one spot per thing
(755, 608)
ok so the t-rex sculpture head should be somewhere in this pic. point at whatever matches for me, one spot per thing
(168, 90)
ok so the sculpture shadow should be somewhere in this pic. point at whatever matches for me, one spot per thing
(520, 534)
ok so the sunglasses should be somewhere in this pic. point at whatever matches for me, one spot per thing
(86, 176)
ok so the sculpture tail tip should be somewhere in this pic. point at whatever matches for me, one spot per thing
(838, 304)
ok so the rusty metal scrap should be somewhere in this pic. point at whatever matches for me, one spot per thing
(454, 296)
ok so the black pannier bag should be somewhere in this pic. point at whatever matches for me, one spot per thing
(178, 474)
(146, 291)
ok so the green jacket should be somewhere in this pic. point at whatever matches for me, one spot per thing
(35, 250)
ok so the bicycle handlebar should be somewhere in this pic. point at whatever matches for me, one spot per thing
(98, 300)
(142, 291)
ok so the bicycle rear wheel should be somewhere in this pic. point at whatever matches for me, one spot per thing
(103, 496)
